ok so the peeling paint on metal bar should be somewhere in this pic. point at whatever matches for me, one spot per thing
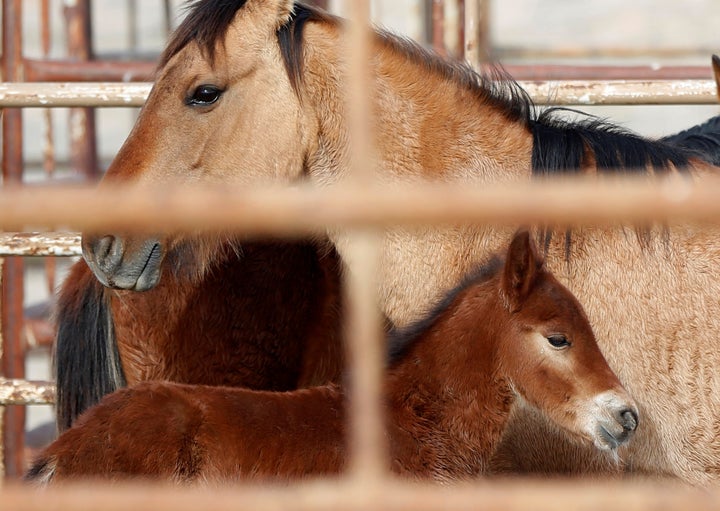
(57, 244)
(24, 392)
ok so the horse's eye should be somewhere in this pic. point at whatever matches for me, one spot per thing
(204, 95)
(558, 341)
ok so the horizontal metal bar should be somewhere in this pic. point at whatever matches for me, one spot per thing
(606, 72)
(557, 92)
(88, 71)
(293, 211)
(388, 495)
(69, 94)
(23, 392)
(143, 70)
(40, 244)
(623, 92)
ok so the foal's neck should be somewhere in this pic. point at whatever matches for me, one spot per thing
(447, 399)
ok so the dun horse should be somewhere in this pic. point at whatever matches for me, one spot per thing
(261, 315)
(511, 331)
(253, 91)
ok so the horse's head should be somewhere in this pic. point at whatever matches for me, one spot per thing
(223, 110)
(550, 355)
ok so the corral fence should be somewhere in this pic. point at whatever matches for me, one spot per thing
(365, 209)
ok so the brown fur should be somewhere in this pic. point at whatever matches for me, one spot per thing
(448, 396)
(265, 318)
(257, 314)
(654, 305)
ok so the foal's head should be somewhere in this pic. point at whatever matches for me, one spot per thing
(548, 353)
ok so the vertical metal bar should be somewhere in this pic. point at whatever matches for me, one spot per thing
(460, 50)
(477, 31)
(2, 352)
(13, 360)
(167, 17)
(366, 439)
(438, 26)
(49, 145)
(83, 151)
(132, 26)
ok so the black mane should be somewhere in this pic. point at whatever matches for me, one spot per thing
(400, 340)
(559, 147)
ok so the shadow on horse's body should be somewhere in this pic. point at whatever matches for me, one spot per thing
(510, 330)
(270, 108)
(262, 315)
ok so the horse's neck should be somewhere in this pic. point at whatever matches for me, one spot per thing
(429, 125)
(447, 398)
(430, 129)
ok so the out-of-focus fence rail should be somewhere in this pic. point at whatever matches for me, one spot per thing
(387, 495)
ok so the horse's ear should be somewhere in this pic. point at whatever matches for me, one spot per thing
(716, 72)
(522, 266)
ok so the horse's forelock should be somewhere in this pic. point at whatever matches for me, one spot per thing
(207, 21)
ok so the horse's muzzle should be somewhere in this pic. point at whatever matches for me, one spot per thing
(121, 263)
(617, 429)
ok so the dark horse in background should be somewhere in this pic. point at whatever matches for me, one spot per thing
(261, 315)
(439, 121)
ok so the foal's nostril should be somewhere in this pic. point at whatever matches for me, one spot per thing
(629, 419)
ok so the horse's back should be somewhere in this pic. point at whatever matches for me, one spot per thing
(703, 140)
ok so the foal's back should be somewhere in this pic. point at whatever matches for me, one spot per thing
(184, 433)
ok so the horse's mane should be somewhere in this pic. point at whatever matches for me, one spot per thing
(400, 340)
(560, 146)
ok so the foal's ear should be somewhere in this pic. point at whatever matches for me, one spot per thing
(716, 72)
(522, 266)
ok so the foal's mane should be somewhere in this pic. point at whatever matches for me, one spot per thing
(400, 340)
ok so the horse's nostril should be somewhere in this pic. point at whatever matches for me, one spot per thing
(629, 419)
(103, 247)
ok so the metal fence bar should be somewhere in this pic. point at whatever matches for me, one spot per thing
(23, 392)
(61, 244)
(13, 356)
(292, 211)
(387, 495)
(559, 92)
(366, 424)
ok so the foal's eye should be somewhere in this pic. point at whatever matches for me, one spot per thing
(558, 341)
(204, 95)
